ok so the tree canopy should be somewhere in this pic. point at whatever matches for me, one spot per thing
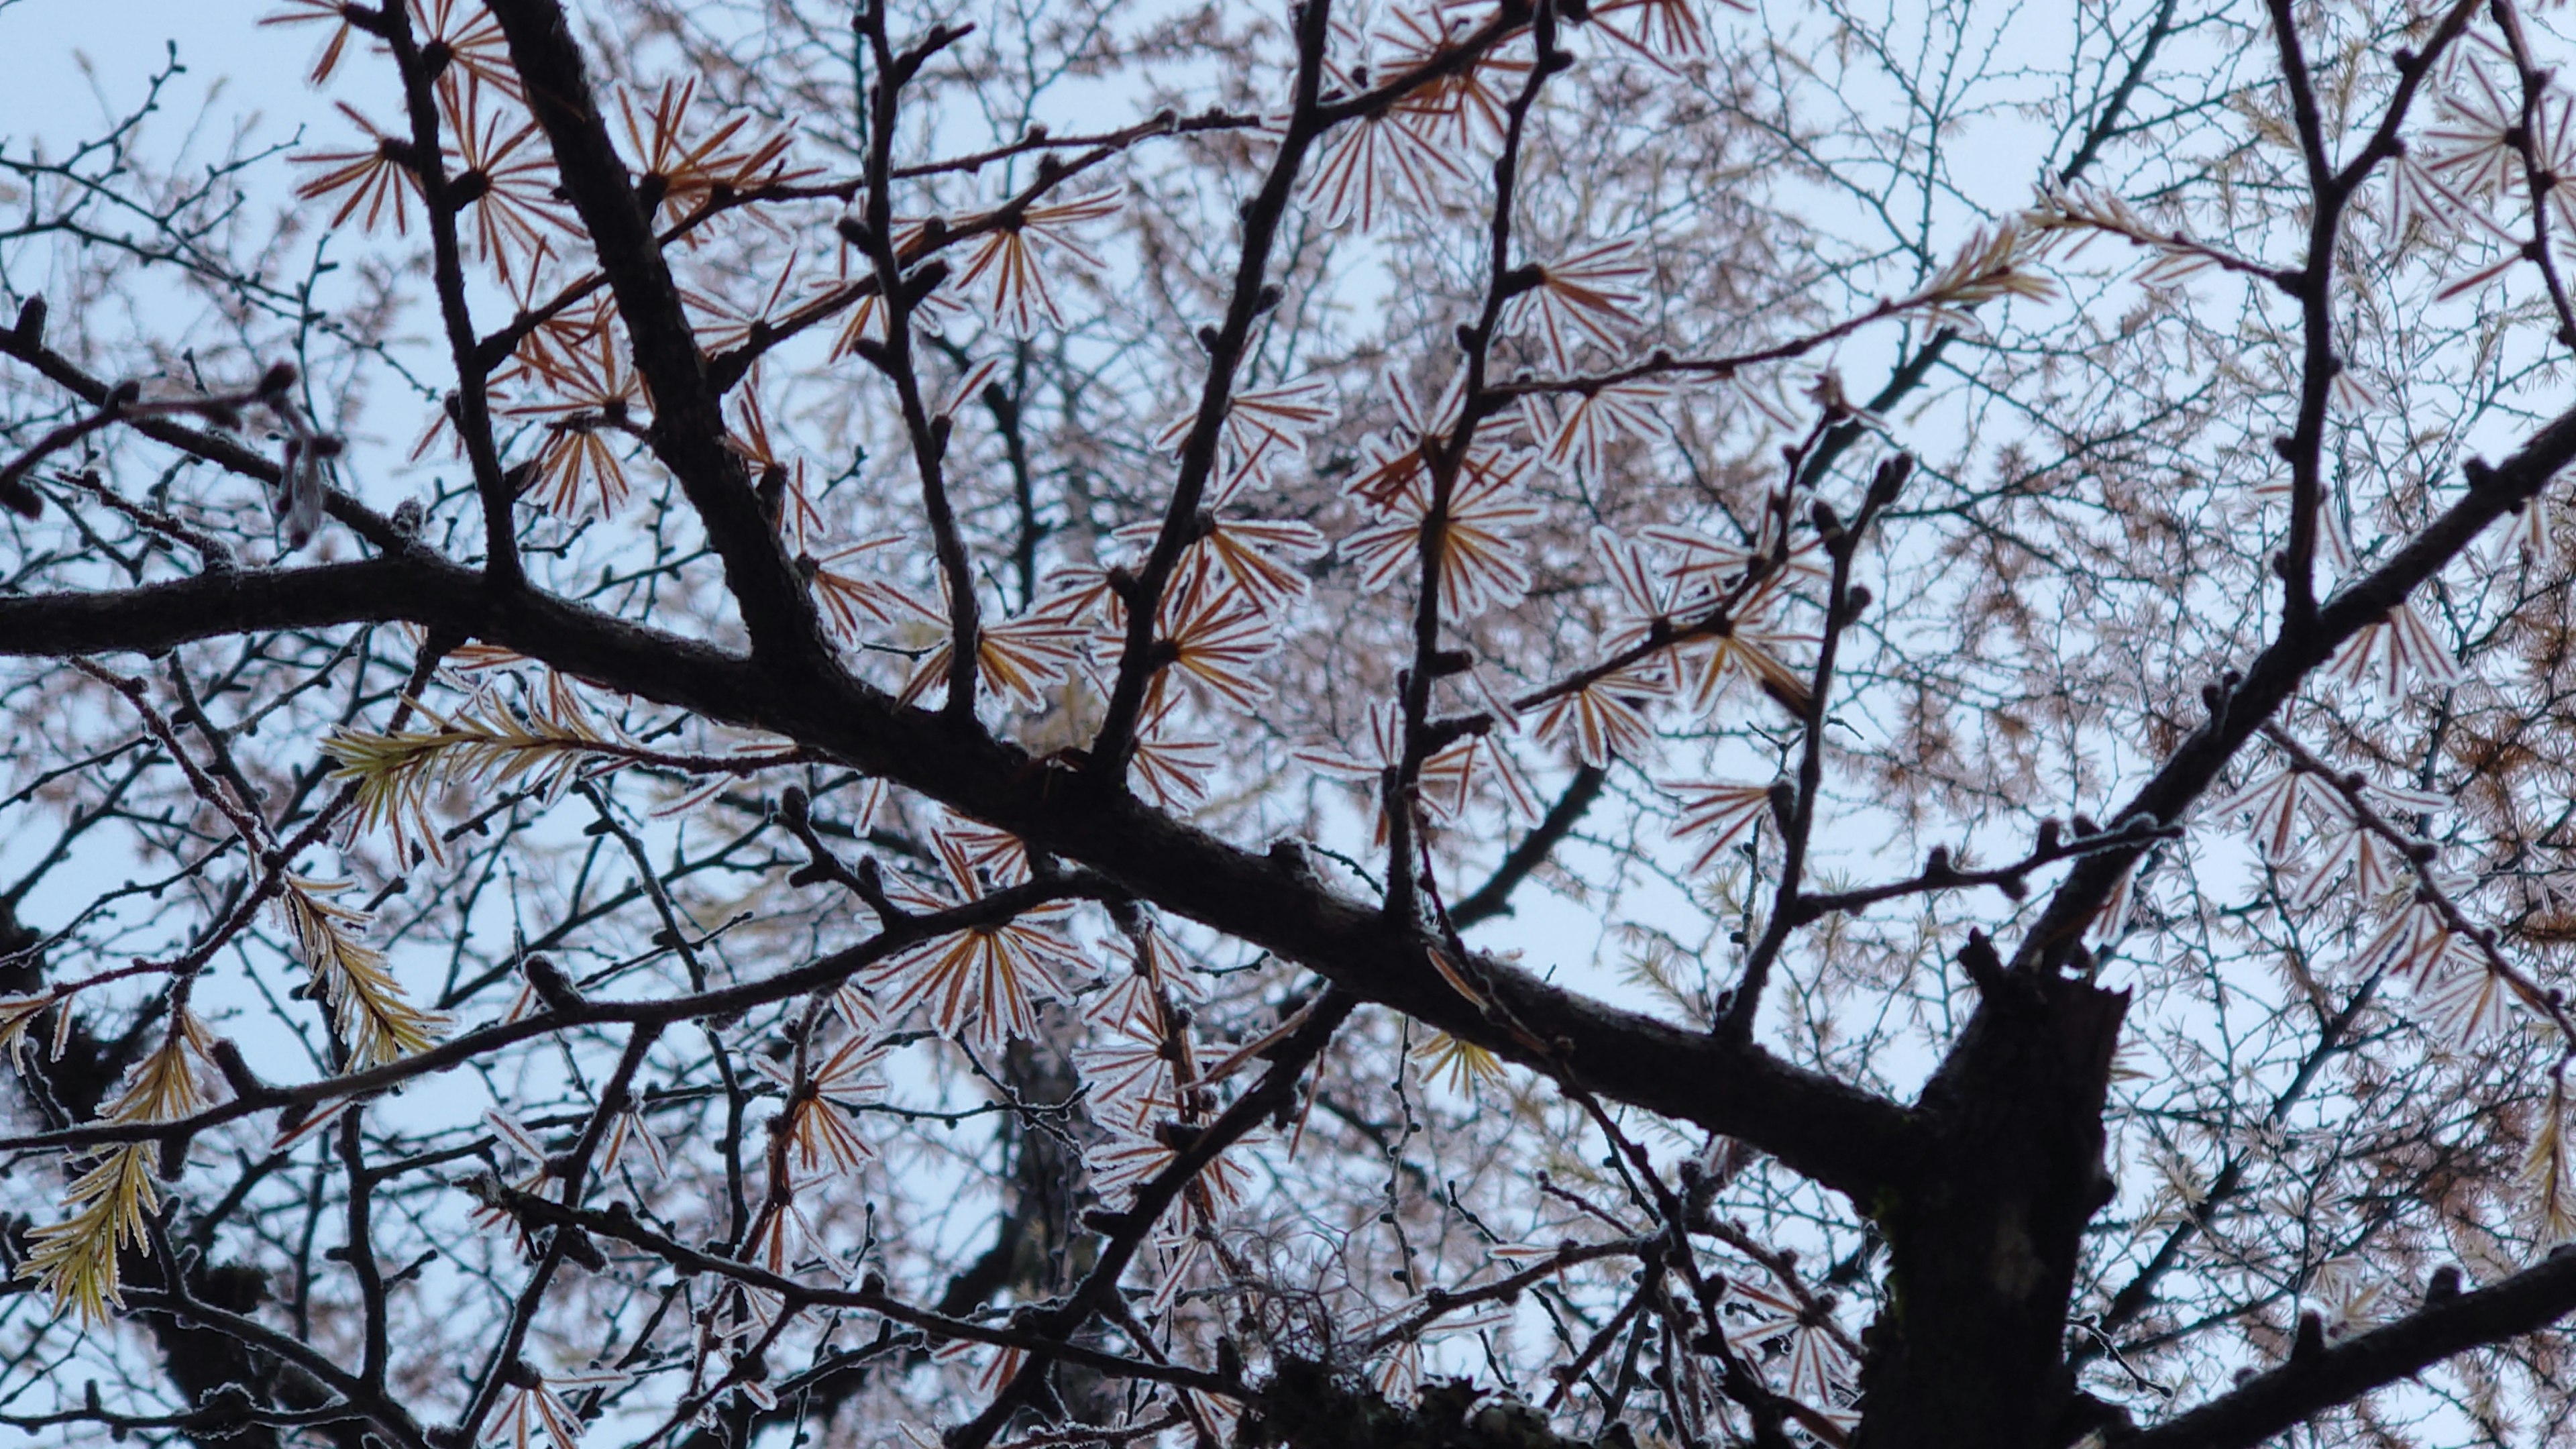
(1466, 722)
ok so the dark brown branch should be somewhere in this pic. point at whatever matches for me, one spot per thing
(1494, 897)
(2537, 177)
(1116, 740)
(1842, 543)
(1841, 1136)
(1940, 875)
(2310, 1384)
(1444, 464)
(214, 448)
(617, 1224)
(688, 433)
(473, 397)
(823, 974)
(2280, 669)
(2315, 287)
(1275, 1093)
(893, 356)
(382, 1410)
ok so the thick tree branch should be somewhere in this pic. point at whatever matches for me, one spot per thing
(688, 432)
(2317, 1380)
(1843, 1137)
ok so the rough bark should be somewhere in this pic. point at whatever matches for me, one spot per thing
(1983, 1235)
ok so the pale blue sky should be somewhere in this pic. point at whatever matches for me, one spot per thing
(73, 60)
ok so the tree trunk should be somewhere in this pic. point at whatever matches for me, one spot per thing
(1983, 1238)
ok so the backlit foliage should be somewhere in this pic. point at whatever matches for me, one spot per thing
(1062, 723)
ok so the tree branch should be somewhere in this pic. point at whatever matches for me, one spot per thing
(688, 432)
(2311, 1383)
(214, 448)
(2280, 669)
(1494, 897)
(1841, 1136)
